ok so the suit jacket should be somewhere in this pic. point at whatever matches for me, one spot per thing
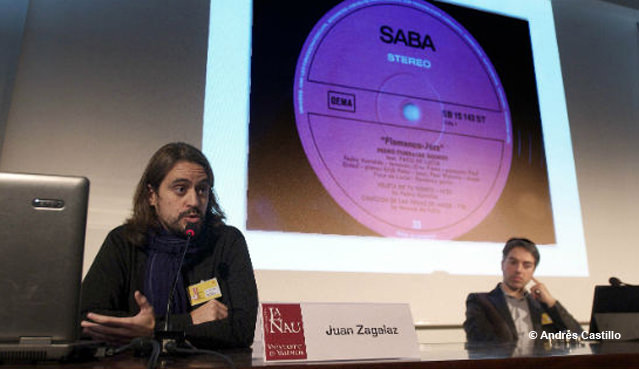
(488, 318)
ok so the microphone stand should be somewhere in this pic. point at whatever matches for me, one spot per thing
(167, 336)
(166, 341)
(174, 342)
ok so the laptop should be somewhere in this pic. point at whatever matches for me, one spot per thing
(42, 229)
(615, 310)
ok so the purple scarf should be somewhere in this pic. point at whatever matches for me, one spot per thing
(163, 259)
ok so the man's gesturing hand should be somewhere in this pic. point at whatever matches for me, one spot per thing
(121, 330)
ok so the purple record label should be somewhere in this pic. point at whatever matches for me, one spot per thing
(403, 118)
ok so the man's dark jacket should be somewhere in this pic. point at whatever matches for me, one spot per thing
(119, 270)
(488, 318)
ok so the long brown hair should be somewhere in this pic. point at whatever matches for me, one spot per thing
(144, 217)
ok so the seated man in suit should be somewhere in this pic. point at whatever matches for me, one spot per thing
(508, 313)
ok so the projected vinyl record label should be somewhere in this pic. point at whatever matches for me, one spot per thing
(403, 118)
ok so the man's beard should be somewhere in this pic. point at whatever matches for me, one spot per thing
(176, 227)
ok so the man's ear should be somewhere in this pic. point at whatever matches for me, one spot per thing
(153, 196)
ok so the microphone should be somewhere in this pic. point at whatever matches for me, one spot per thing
(168, 336)
(170, 340)
(189, 230)
(615, 282)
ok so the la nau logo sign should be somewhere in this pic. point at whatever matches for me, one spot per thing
(283, 332)
(277, 324)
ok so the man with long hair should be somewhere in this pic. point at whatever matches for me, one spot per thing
(126, 292)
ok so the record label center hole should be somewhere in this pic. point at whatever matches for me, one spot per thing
(411, 112)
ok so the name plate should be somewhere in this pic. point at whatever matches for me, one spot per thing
(334, 331)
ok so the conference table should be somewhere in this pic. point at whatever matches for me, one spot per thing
(432, 356)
